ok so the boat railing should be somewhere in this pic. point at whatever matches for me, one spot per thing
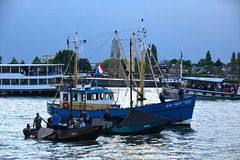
(207, 91)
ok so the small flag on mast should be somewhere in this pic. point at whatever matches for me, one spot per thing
(181, 56)
(80, 49)
(100, 69)
(68, 42)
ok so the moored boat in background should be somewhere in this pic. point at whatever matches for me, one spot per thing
(30, 79)
(204, 89)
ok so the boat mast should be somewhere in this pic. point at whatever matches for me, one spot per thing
(181, 59)
(75, 67)
(142, 77)
(76, 42)
(130, 73)
(70, 78)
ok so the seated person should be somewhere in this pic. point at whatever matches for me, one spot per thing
(107, 116)
(82, 123)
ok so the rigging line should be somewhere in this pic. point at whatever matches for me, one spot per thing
(111, 33)
(101, 46)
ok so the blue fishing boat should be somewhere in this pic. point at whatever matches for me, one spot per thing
(179, 111)
(95, 101)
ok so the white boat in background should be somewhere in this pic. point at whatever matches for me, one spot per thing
(204, 89)
(30, 79)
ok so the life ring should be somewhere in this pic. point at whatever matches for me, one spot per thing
(166, 93)
(225, 90)
(65, 105)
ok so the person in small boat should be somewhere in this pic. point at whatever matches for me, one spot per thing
(49, 122)
(82, 123)
(26, 131)
(55, 120)
(107, 116)
(162, 99)
(180, 93)
(70, 122)
(37, 121)
(83, 115)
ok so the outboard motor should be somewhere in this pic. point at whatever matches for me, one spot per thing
(26, 131)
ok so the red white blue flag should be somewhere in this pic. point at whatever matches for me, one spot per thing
(181, 57)
(100, 69)
(80, 49)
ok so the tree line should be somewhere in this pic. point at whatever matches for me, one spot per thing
(84, 64)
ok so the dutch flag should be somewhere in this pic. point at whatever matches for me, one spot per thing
(100, 69)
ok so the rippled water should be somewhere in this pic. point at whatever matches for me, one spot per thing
(214, 134)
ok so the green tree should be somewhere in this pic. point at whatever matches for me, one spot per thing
(0, 59)
(238, 61)
(233, 58)
(14, 61)
(201, 63)
(84, 64)
(187, 63)
(154, 52)
(22, 62)
(62, 58)
(208, 59)
(173, 61)
(105, 63)
(165, 61)
(36, 60)
(218, 63)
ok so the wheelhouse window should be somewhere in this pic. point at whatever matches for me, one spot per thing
(111, 96)
(42, 81)
(15, 81)
(83, 97)
(89, 96)
(6, 81)
(33, 81)
(65, 97)
(107, 96)
(24, 82)
(95, 96)
(75, 97)
(101, 96)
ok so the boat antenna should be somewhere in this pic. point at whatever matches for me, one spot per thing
(130, 73)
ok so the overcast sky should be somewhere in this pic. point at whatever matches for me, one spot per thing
(30, 28)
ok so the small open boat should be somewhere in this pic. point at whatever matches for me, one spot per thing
(137, 122)
(69, 135)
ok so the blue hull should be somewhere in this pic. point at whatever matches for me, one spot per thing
(180, 111)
